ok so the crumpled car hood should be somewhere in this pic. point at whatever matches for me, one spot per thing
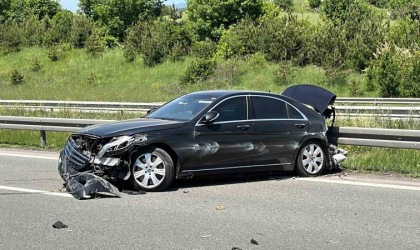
(130, 127)
(314, 96)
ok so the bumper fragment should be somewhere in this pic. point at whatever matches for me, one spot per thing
(80, 181)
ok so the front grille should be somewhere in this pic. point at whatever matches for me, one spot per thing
(74, 157)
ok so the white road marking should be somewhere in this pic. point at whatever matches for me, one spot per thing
(30, 156)
(34, 191)
(357, 183)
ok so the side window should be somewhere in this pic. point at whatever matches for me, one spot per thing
(269, 108)
(232, 109)
(293, 113)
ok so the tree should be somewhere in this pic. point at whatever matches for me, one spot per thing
(4, 9)
(43, 7)
(211, 17)
(21, 9)
(81, 29)
(115, 16)
(61, 26)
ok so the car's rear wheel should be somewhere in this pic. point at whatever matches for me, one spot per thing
(152, 169)
(311, 160)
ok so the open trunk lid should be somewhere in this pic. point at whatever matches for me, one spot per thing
(314, 96)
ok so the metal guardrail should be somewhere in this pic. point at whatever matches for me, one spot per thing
(347, 107)
(372, 137)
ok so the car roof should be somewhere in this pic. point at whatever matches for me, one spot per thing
(233, 92)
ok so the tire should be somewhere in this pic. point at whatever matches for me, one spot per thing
(152, 170)
(311, 160)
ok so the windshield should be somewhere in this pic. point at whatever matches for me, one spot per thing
(184, 108)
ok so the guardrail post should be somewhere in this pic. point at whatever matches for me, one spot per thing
(43, 138)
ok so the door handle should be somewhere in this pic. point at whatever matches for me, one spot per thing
(300, 125)
(243, 127)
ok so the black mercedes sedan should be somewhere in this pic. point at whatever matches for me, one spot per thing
(203, 133)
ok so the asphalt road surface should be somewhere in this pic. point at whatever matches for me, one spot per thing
(277, 211)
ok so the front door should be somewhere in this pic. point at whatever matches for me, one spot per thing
(227, 143)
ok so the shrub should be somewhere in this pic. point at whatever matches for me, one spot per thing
(16, 78)
(284, 73)
(286, 5)
(153, 52)
(129, 53)
(405, 33)
(91, 79)
(257, 60)
(354, 88)
(36, 65)
(349, 40)
(54, 53)
(94, 45)
(282, 37)
(405, 9)
(199, 70)
(314, 4)
(336, 77)
(81, 29)
(159, 39)
(204, 49)
(396, 71)
(10, 37)
(229, 72)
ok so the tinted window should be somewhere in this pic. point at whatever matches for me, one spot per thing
(293, 113)
(269, 108)
(232, 109)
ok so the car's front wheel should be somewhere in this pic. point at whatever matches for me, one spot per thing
(311, 160)
(152, 169)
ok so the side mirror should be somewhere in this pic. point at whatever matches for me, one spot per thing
(150, 111)
(209, 117)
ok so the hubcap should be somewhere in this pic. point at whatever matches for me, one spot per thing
(149, 170)
(313, 158)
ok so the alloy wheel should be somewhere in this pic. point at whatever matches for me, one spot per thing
(149, 170)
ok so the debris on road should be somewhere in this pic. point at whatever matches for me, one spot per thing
(220, 207)
(186, 192)
(206, 236)
(254, 242)
(86, 185)
(59, 225)
(236, 248)
(332, 242)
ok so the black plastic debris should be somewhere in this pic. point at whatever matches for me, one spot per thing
(186, 192)
(236, 248)
(254, 242)
(86, 185)
(59, 225)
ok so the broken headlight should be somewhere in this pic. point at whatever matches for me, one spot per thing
(120, 143)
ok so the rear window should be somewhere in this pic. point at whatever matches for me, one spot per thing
(269, 108)
(293, 113)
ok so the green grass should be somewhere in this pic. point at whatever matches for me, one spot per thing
(77, 76)
(384, 160)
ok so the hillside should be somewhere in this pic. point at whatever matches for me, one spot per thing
(77, 76)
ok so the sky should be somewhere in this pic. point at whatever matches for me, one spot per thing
(72, 4)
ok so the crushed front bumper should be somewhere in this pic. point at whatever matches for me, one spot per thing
(75, 168)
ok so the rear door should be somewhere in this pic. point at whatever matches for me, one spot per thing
(279, 129)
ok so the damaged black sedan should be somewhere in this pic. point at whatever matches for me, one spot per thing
(204, 133)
